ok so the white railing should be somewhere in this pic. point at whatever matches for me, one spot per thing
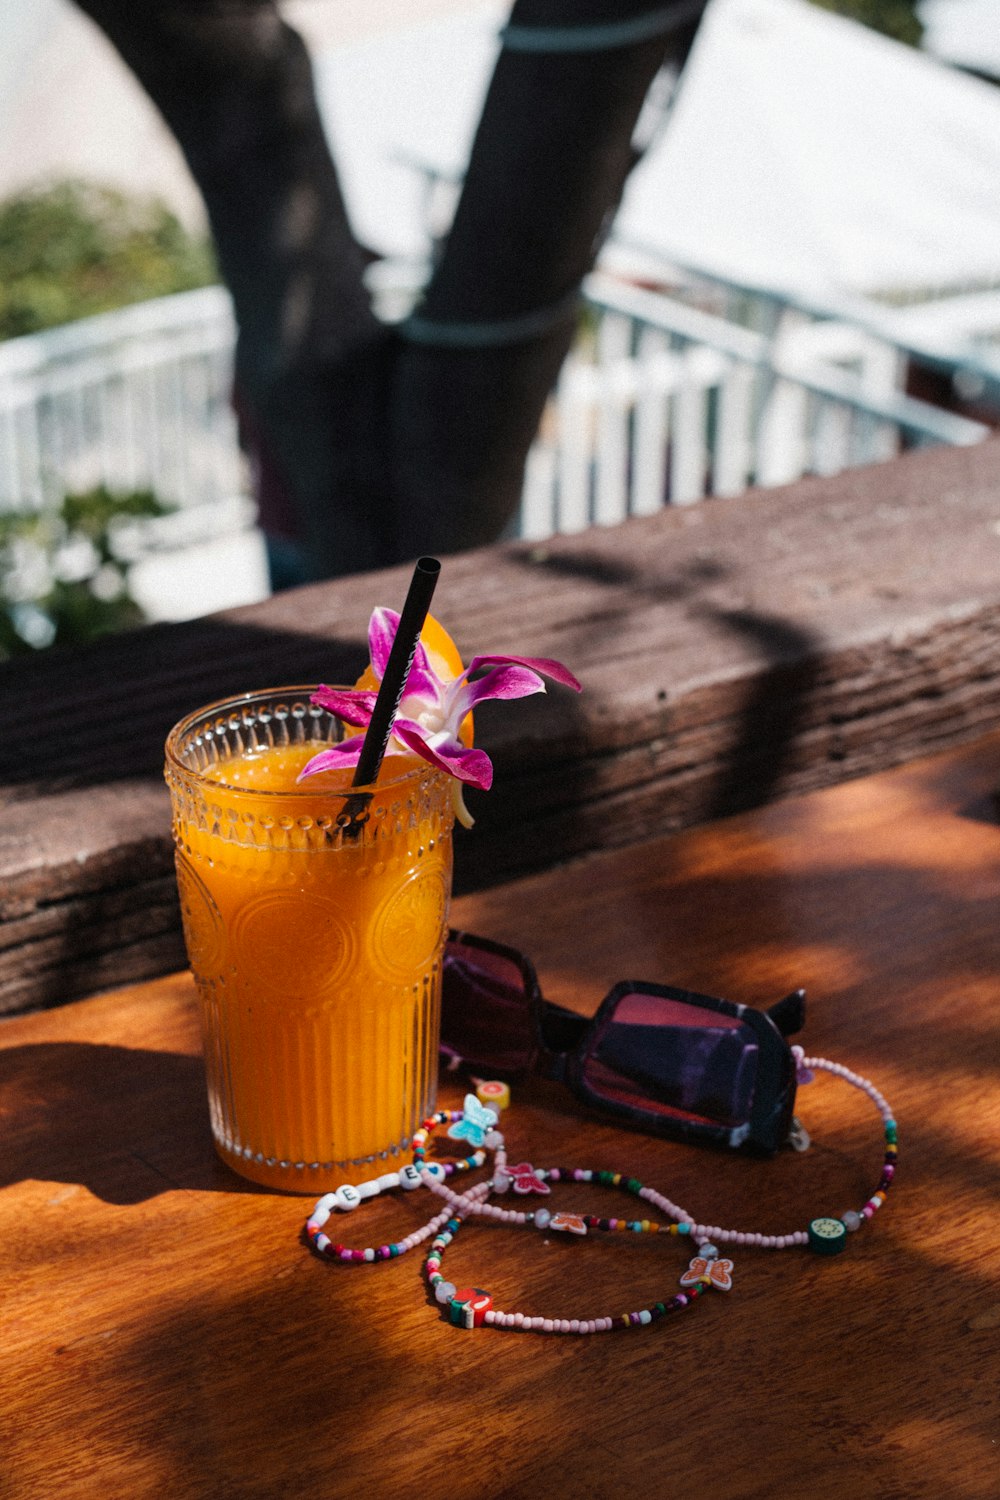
(671, 404)
(661, 403)
(133, 399)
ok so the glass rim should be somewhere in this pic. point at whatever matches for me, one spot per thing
(235, 701)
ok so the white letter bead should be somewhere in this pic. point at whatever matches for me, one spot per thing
(409, 1177)
(436, 1170)
(347, 1197)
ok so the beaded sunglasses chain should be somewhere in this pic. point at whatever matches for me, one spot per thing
(472, 1307)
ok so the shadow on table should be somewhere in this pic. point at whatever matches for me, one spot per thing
(125, 1123)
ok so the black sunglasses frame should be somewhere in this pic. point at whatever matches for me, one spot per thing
(563, 1040)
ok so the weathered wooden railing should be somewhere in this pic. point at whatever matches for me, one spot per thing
(730, 653)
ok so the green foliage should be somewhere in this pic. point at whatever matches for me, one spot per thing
(74, 249)
(894, 18)
(64, 569)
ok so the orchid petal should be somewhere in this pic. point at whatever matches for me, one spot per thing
(381, 633)
(382, 629)
(543, 664)
(337, 756)
(450, 755)
(500, 682)
(353, 705)
(423, 681)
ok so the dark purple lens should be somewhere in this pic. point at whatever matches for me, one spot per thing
(486, 1012)
(676, 1060)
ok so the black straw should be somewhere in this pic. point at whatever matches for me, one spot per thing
(397, 670)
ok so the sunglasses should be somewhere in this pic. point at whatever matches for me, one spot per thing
(670, 1060)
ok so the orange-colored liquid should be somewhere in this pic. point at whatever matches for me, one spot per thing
(317, 956)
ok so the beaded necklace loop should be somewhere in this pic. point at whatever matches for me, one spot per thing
(472, 1307)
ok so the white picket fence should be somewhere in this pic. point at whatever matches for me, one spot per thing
(671, 404)
(660, 403)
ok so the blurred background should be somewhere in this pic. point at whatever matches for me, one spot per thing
(804, 275)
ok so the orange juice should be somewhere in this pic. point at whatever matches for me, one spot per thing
(314, 923)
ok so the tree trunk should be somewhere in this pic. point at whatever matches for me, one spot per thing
(547, 169)
(376, 446)
(234, 84)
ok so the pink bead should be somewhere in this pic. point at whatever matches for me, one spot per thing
(547, 1325)
(868, 1212)
(574, 1325)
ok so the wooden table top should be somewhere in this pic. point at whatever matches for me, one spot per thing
(165, 1331)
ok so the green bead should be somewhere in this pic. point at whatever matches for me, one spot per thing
(827, 1236)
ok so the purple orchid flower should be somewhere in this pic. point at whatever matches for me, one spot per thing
(431, 710)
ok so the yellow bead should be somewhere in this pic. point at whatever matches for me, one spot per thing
(494, 1092)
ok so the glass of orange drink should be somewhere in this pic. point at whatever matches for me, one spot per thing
(314, 915)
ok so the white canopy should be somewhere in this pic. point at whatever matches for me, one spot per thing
(804, 152)
(407, 99)
(809, 153)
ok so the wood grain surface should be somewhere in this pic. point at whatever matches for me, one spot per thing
(730, 652)
(165, 1332)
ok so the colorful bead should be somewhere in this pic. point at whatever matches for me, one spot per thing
(495, 1093)
(469, 1306)
(525, 1179)
(705, 1271)
(827, 1236)
(568, 1223)
(476, 1119)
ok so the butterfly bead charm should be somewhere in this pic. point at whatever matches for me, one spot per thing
(714, 1272)
(525, 1179)
(568, 1223)
(476, 1122)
